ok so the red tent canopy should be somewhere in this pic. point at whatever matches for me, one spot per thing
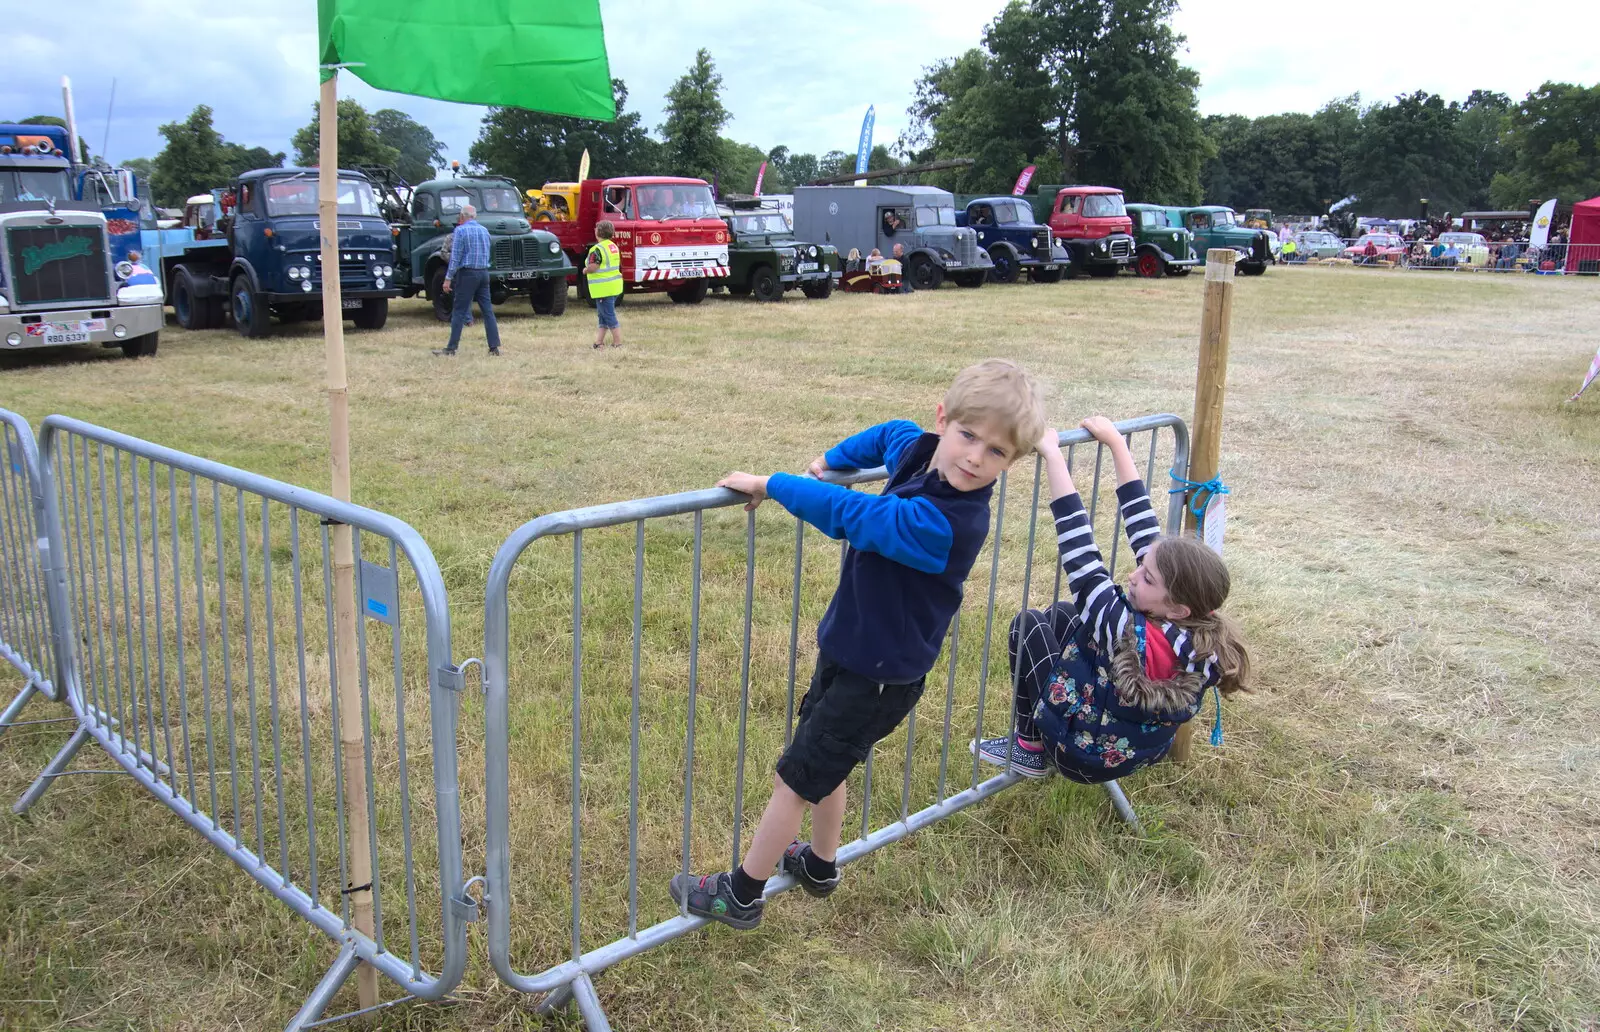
(1585, 233)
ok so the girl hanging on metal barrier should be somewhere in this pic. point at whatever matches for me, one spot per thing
(1103, 682)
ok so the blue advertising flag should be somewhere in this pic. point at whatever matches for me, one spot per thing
(864, 146)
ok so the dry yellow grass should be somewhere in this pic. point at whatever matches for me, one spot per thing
(1400, 833)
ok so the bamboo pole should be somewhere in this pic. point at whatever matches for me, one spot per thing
(359, 886)
(1210, 386)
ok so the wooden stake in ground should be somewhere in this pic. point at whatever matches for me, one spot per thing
(1210, 385)
(358, 832)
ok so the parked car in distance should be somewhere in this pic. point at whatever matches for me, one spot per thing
(1474, 248)
(1317, 243)
(1163, 245)
(1389, 249)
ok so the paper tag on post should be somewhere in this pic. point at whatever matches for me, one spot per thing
(379, 593)
(1215, 522)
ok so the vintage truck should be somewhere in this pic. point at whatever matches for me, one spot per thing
(667, 229)
(1092, 222)
(1214, 225)
(1015, 242)
(921, 218)
(59, 284)
(522, 260)
(1161, 245)
(765, 259)
(264, 257)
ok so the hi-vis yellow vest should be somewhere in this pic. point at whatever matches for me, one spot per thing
(606, 281)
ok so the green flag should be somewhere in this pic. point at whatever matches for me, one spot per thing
(543, 55)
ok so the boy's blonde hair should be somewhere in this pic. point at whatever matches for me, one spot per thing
(999, 392)
(604, 229)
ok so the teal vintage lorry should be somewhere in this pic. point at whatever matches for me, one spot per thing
(522, 260)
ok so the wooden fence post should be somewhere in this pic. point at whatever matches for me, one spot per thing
(1210, 386)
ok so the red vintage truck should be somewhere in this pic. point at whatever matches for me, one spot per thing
(667, 228)
(1094, 225)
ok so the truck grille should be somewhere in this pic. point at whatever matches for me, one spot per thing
(515, 253)
(1042, 252)
(1122, 248)
(967, 248)
(58, 265)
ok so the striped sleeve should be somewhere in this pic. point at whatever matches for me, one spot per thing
(1188, 659)
(1099, 603)
(1138, 517)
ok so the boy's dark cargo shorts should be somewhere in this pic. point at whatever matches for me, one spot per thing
(842, 716)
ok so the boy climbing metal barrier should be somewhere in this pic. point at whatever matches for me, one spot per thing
(662, 630)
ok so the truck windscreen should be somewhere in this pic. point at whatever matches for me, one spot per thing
(1008, 214)
(19, 185)
(929, 216)
(676, 201)
(1102, 206)
(501, 200)
(297, 195)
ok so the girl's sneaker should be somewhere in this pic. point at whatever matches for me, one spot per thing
(1030, 763)
(712, 897)
(794, 862)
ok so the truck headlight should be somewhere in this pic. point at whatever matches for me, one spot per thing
(388, 270)
(378, 282)
(14, 339)
(294, 273)
(305, 271)
(650, 261)
(305, 285)
(119, 331)
(722, 259)
(555, 247)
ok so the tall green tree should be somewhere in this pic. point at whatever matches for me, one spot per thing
(692, 133)
(359, 142)
(1409, 150)
(533, 148)
(194, 160)
(239, 158)
(1552, 146)
(421, 154)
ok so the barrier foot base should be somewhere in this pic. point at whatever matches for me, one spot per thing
(52, 770)
(343, 967)
(1124, 808)
(11, 711)
(558, 1000)
(594, 1017)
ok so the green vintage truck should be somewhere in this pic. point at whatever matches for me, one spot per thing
(1162, 245)
(522, 260)
(765, 259)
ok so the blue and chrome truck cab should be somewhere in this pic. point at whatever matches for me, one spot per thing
(60, 283)
(266, 258)
(1015, 242)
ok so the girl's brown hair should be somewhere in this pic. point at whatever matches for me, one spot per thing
(1196, 577)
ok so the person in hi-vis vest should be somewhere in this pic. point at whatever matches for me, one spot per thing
(603, 271)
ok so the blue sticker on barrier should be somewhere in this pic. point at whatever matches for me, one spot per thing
(378, 592)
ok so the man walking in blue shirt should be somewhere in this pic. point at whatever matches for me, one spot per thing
(468, 272)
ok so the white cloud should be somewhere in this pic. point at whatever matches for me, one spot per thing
(800, 73)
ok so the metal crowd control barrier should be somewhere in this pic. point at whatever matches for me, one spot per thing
(26, 631)
(645, 795)
(194, 604)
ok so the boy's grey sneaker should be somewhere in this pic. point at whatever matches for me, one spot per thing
(712, 896)
(794, 862)
(1028, 763)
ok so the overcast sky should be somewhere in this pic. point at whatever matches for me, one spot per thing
(800, 73)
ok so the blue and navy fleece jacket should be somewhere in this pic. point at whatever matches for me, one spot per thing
(911, 548)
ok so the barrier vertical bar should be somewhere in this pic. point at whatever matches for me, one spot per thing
(250, 678)
(180, 633)
(372, 890)
(744, 679)
(1027, 583)
(694, 686)
(272, 691)
(295, 564)
(161, 650)
(577, 735)
(205, 658)
(988, 623)
(633, 732)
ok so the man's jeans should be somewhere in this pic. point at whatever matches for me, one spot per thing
(471, 285)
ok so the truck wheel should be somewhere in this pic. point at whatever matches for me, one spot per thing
(1149, 264)
(372, 314)
(974, 280)
(1252, 268)
(498, 295)
(765, 284)
(250, 314)
(818, 289)
(1104, 271)
(924, 275)
(1005, 265)
(442, 302)
(691, 293)
(1045, 275)
(549, 296)
(193, 312)
(139, 347)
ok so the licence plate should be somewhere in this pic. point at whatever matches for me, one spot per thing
(688, 273)
(520, 274)
(808, 266)
(75, 337)
(350, 302)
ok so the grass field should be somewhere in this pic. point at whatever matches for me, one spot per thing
(1402, 831)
